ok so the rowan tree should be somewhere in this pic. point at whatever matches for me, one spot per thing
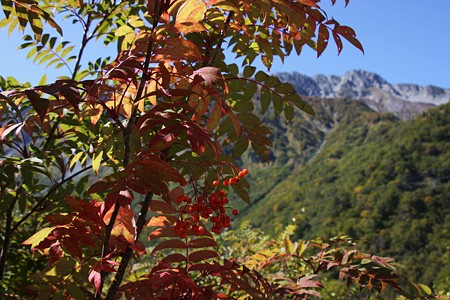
(119, 171)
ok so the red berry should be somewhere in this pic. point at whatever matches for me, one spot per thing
(245, 171)
(241, 174)
(226, 182)
(232, 181)
(215, 183)
(216, 229)
(235, 212)
(236, 179)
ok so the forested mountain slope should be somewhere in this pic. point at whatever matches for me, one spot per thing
(353, 171)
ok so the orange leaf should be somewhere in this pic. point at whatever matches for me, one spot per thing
(161, 220)
(174, 49)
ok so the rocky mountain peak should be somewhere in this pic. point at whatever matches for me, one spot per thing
(404, 100)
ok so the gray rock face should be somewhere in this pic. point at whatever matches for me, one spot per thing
(404, 100)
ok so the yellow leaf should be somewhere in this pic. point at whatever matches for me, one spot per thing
(75, 159)
(38, 237)
(96, 162)
(191, 12)
(152, 88)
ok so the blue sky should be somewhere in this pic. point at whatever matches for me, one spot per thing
(405, 41)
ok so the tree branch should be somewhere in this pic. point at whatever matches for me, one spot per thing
(126, 256)
(127, 134)
(8, 233)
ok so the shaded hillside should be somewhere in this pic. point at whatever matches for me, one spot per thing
(352, 171)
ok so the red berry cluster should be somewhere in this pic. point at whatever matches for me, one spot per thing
(210, 207)
(182, 227)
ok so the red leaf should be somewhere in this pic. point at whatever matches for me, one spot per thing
(322, 40)
(202, 255)
(169, 244)
(308, 282)
(72, 247)
(39, 104)
(8, 128)
(173, 258)
(350, 35)
(95, 278)
(202, 242)
(162, 207)
(338, 41)
(215, 116)
(234, 121)
(106, 183)
(162, 232)
(158, 168)
(166, 137)
(311, 3)
(209, 75)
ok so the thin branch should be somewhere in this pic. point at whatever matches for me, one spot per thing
(8, 232)
(45, 198)
(84, 42)
(212, 58)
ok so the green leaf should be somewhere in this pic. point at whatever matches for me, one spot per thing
(285, 88)
(260, 76)
(249, 71)
(240, 147)
(233, 69)
(43, 80)
(22, 204)
(241, 192)
(265, 98)
(426, 289)
(277, 104)
(305, 107)
(75, 291)
(288, 112)
(242, 106)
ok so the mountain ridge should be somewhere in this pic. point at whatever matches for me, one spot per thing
(404, 100)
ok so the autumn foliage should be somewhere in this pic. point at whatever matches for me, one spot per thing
(120, 172)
